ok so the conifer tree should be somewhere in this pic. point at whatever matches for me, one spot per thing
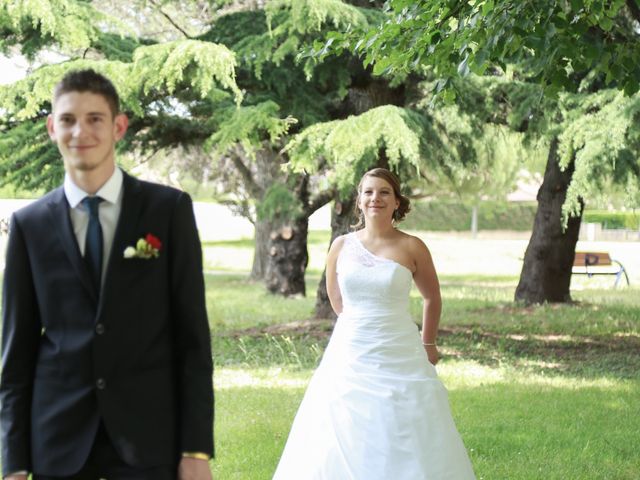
(282, 134)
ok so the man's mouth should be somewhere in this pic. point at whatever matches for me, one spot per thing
(81, 147)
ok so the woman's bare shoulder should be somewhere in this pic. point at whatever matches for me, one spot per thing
(413, 244)
(337, 244)
(339, 241)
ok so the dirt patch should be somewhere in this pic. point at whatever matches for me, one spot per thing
(302, 328)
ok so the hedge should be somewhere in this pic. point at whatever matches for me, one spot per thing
(613, 220)
(442, 216)
(456, 216)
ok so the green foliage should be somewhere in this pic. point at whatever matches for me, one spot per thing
(285, 83)
(248, 126)
(628, 220)
(279, 203)
(600, 131)
(156, 69)
(498, 152)
(443, 216)
(553, 43)
(271, 39)
(292, 22)
(28, 159)
(147, 85)
(192, 64)
(352, 146)
(306, 16)
(32, 24)
(31, 97)
(118, 47)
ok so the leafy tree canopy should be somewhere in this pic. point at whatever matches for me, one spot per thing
(601, 133)
(408, 140)
(161, 69)
(556, 44)
(35, 24)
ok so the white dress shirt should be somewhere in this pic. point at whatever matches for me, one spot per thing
(108, 211)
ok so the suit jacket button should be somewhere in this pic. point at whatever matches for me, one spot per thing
(101, 384)
(100, 328)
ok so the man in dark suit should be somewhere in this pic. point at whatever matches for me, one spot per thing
(106, 353)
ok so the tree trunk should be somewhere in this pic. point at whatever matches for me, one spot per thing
(261, 251)
(546, 272)
(288, 258)
(342, 217)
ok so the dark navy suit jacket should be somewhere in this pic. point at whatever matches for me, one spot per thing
(137, 355)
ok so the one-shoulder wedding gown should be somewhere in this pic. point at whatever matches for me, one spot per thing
(375, 408)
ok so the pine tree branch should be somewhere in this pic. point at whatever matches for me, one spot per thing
(149, 157)
(171, 21)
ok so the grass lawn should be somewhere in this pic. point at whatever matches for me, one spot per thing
(549, 392)
(515, 425)
(546, 392)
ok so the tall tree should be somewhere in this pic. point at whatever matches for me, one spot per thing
(403, 139)
(175, 88)
(281, 96)
(572, 47)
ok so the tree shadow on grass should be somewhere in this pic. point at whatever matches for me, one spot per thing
(585, 356)
(614, 355)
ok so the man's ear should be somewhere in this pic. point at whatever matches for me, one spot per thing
(120, 123)
(50, 130)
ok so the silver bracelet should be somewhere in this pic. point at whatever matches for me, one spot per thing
(429, 344)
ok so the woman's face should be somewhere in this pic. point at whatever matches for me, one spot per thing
(377, 199)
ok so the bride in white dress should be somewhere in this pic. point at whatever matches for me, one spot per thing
(375, 408)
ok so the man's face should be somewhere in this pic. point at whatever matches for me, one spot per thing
(83, 127)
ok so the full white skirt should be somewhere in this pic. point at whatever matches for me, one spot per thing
(374, 409)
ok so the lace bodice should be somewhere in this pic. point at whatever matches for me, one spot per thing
(371, 284)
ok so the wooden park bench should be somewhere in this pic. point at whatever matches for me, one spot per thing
(598, 263)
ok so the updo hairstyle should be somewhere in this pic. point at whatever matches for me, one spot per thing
(403, 208)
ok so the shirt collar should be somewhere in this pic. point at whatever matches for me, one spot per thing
(110, 191)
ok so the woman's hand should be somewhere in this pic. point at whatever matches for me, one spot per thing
(432, 353)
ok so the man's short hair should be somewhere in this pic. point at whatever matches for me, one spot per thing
(88, 81)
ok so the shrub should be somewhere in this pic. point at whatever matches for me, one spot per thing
(456, 216)
(613, 220)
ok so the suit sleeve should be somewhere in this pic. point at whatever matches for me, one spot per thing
(21, 330)
(192, 336)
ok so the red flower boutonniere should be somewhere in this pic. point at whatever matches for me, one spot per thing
(147, 247)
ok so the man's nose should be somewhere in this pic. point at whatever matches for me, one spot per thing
(79, 129)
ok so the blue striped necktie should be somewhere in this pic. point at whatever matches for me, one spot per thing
(93, 243)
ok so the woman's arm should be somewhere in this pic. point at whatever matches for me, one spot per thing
(426, 280)
(333, 289)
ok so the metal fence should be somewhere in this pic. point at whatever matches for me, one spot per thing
(593, 232)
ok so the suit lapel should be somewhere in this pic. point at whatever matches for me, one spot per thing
(126, 229)
(59, 210)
